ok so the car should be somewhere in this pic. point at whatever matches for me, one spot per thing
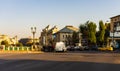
(108, 48)
(47, 48)
(86, 48)
(79, 48)
(70, 48)
(60, 46)
(95, 47)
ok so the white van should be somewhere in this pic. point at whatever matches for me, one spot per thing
(60, 46)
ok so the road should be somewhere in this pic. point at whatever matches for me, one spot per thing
(72, 61)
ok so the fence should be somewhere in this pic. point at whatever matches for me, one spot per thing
(17, 49)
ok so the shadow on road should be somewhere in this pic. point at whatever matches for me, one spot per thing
(42, 65)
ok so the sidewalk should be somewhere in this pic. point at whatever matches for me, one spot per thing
(21, 52)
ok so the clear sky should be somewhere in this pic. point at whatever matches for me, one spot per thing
(18, 16)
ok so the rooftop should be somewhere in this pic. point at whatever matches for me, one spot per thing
(115, 16)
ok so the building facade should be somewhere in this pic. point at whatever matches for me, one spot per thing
(65, 35)
(115, 29)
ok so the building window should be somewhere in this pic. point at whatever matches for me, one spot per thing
(66, 36)
(63, 36)
(69, 36)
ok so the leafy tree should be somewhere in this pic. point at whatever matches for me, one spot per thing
(75, 37)
(83, 28)
(101, 32)
(92, 32)
(19, 44)
(29, 44)
(107, 32)
(5, 42)
(88, 31)
(69, 40)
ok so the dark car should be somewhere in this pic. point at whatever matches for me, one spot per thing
(48, 48)
(70, 48)
(95, 47)
(86, 48)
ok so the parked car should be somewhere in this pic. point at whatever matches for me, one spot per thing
(60, 46)
(80, 48)
(70, 48)
(86, 48)
(108, 48)
(47, 48)
(77, 48)
(95, 47)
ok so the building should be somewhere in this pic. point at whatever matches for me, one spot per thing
(115, 29)
(28, 41)
(47, 35)
(65, 35)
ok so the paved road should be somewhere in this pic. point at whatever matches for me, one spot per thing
(60, 62)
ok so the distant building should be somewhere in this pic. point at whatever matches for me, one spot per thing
(24, 41)
(28, 41)
(65, 34)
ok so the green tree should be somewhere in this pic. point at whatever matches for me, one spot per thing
(107, 32)
(75, 37)
(92, 32)
(83, 28)
(5, 42)
(19, 44)
(101, 32)
(30, 43)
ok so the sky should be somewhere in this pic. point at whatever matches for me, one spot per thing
(18, 16)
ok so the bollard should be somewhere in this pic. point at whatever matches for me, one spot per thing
(4, 48)
(27, 49)
(13, 48)
(17, 48)
(8, 48)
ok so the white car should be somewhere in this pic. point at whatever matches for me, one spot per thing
(60, 46)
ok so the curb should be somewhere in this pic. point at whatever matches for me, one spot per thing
(21, 52)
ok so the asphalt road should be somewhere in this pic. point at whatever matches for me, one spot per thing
(60, 62)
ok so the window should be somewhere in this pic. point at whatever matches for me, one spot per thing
(63, 36)
(66, 36)
(69, 36)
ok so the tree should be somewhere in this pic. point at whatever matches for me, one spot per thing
(107, 32)
(92, 32)
(75, 37)
(19, 44)
(5, 42)
(30, 43)
(83, 28)
(101, 32)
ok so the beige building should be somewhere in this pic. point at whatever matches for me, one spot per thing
(65, 34)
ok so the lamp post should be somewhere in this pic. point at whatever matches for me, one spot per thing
(33, 31)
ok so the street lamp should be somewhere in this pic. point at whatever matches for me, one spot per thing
(33, 31)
